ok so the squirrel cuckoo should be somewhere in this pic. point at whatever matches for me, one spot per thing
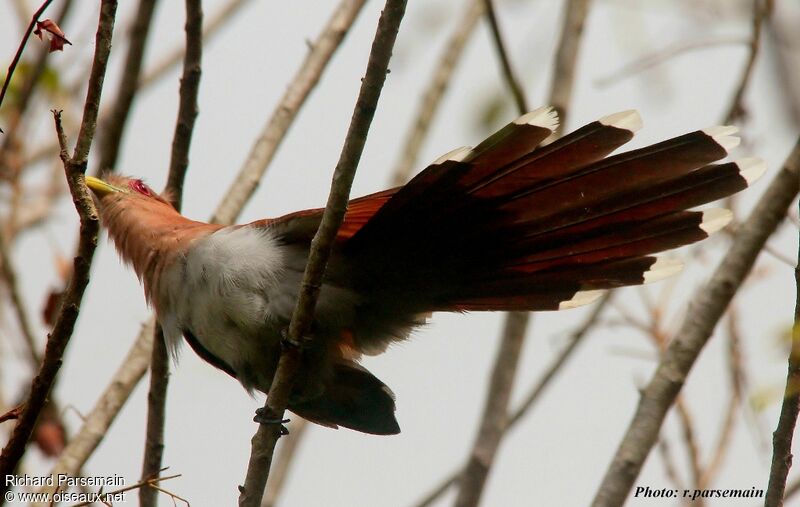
(506, 225)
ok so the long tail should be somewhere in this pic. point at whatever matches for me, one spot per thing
(509, 225)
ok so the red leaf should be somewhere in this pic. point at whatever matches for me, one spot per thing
(57, 38)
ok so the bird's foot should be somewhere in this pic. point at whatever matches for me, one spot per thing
(262, 417)
(288, 343)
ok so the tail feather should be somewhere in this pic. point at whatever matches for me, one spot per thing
(557, 160)
(355, 399)
(508, 225)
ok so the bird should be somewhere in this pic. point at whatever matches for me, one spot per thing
(512, 224)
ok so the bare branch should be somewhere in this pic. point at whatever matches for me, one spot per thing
(75, 168)
(179, 163)
(761, 9)
(282, 118)
(664, 55)
(263, 443)
(782, 437)
(505, 62)
(698, 324)
(495, 412)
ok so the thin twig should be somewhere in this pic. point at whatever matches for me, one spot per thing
(664, 55)
(692, 447)
(729, 421)
(782, 437)
(434, 92)
(558, 363)
(564, 75)
(665, 451)
(695, 331)
(10, 275)
(114, 124)
(761, 10)
(179, 163)
(505, 62)
(263, 443)
(20, 49)
(216, 21)
(144, 482)
(27, 89)
(283, 461)
(274, 131)
(75, 168)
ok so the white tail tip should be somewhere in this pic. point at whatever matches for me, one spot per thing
(582, 297)
(664, 267)
(751, 168)
(456, 155)
(627, 120)
(715, 219)
(545, 117)
(723, 136)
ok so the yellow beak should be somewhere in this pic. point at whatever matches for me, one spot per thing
(100, 187)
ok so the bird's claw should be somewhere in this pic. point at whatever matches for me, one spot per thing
(262, 417)
(288, 343)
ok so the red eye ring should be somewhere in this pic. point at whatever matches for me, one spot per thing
(140, 187)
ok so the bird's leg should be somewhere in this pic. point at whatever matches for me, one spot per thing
(262, 417)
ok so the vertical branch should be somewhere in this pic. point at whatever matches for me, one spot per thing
(782, 437)
(114, 124)
(698, 324)
(263, 443)
(179, 163)
(10, 275)
(75, 168)
(277, 126)
(495, 411)
(435, 91)
(761, 10)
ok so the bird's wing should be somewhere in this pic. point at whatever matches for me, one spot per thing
(300, 226)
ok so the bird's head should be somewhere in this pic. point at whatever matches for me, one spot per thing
(146, 229)
(114, 188)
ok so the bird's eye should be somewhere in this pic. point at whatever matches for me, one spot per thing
(140, 187)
